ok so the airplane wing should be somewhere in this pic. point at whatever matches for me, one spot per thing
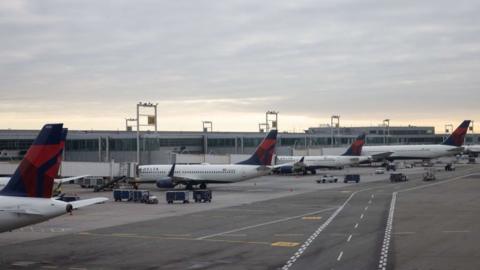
(381, 156)
(68, 179)
(87, 202)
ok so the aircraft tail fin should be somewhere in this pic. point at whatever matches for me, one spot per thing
(35, 175)
(458, 136)
(356, 148)
(264, 152)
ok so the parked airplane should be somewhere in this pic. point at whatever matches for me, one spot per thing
(168, 176)
(450, 147)
(290, 164)
(472, 150)
(26, 199)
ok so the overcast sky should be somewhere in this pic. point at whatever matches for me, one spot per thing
(87, 63)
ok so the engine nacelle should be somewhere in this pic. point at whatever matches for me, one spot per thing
(165, 183)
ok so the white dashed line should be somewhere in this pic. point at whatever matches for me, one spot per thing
(388, 233)
(366, 208)
(370, 202)
(340, 256)
(361, 216)
(349, 238)
(309, 241)
(356, 225)
(373, 196)
(388, 230)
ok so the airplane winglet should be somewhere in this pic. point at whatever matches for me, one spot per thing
(172, 170)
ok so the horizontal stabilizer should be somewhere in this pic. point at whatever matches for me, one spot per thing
(87, 202)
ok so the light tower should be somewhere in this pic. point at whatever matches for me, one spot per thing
(334, 123)
(271, 123)
(386, 130)
(151, 120)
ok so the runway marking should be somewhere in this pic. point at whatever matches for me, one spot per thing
(370, 202)
(388, 231)
(176, 235)
(373, 196)
(361, 216)
(309, 241)
(123, 234)
(356, 225)
(150, 237)
(285, 244)
(340, 256)
(349, 238)
(264, 224)
(403, 233)
(366, 208)
(289, 234)
(455, 231)
(235, 235)
(312, 218)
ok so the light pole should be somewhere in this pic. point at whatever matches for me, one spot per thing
(206, 125)
(274, 122)
(151, 121)
(337, 125)
(386, 130)
(262, 127)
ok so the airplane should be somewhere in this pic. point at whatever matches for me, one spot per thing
(290, 164)
(450, 147)
(472, 150)
(169, 176)
(27, 197)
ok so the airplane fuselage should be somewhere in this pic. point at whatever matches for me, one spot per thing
(323, 161)
(405, 152)
(204, 173)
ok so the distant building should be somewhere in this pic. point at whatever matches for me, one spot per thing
(158, 147)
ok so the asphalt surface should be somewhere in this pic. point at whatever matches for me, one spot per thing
(435, 226)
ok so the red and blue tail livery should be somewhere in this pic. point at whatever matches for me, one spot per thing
(356, 148)
(264, 153)
(458, 136)
(35, 175)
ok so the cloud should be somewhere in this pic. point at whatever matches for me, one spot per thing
(366, 59)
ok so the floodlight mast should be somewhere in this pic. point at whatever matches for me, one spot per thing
(334, 122)
(206, 125)
(271, 123)
(151, 121)
(386, 130)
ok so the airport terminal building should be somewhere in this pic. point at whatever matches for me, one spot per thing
(161, 147)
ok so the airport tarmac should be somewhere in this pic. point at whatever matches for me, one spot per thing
(273, 222)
